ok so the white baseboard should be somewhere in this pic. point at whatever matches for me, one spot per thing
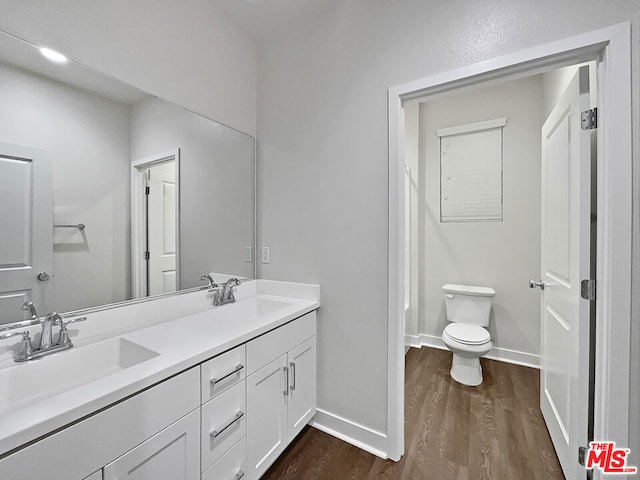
(496, 353)
(351, 432)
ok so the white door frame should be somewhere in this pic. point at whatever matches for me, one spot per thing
(611, 46)
(138, 270)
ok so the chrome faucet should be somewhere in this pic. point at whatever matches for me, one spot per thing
(47, 344)
(224, 296)
(227, 295)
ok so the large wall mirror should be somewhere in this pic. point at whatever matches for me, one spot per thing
(108, 194)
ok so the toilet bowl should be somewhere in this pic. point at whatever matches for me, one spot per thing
(468, 309)
(465, 366)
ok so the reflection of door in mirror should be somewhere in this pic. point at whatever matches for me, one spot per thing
(161, 228)
(155, 223)
(26, 230)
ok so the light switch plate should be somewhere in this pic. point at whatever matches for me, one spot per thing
(248, 254)
(266, 255)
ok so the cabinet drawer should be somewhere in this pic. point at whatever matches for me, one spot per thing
(223, 423)
(271, 345)
(231, 466)
(222, 372)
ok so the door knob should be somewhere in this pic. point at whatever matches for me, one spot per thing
(43, 276)
(534, 284)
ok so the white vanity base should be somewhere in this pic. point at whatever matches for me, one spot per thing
(228, 382)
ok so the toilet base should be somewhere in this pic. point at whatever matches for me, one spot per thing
(466, 371)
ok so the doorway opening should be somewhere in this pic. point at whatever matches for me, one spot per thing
(610, 49)
(155, 224)
(491, 192)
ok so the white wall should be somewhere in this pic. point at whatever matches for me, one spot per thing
(216, 186)
(502, 255)
(187, 52)
(88, 136)
(323, 151)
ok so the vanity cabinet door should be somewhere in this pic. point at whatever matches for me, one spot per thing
(172, 454)
(302, 386)
(267, 434)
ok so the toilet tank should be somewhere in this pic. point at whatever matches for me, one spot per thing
(468, 304)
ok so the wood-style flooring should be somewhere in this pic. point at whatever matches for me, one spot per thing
(491, 432)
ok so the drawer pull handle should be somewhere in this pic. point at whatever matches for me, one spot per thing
(286, 381)
(236, 370)
(216, 433)
(292, 366)
(239, 475)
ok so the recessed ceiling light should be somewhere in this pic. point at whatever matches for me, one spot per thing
(52, 55)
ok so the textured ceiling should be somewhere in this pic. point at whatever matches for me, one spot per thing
(265, 20)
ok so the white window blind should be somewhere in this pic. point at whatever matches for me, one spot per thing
(471, 172)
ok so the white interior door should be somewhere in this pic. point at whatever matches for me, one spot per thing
(26, 230)
(564, 381)
(162, 228)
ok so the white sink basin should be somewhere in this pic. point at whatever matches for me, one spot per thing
(253, 307)
(33, 381)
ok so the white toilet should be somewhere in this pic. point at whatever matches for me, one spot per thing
(468, 310)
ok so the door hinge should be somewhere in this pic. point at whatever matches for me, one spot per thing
(589, 119)
(588, 289)
(146, 255)
(147, 190)
(582, 455)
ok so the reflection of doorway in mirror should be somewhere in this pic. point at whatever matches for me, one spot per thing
(155, 221)
(161, 228)
(26, 231)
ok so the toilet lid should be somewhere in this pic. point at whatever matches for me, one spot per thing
(469, 334)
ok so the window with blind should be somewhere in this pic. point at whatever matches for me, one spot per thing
(471, 172)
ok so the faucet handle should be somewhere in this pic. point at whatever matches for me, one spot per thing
(26, 349)
(233, 282)
(24, 334)
(63, 336)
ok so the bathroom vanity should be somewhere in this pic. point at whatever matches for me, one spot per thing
(216, 393)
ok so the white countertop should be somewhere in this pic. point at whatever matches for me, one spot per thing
(181, 344)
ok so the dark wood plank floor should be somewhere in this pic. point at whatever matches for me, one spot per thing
(491, 432)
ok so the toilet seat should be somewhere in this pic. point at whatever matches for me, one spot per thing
(467, 334)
